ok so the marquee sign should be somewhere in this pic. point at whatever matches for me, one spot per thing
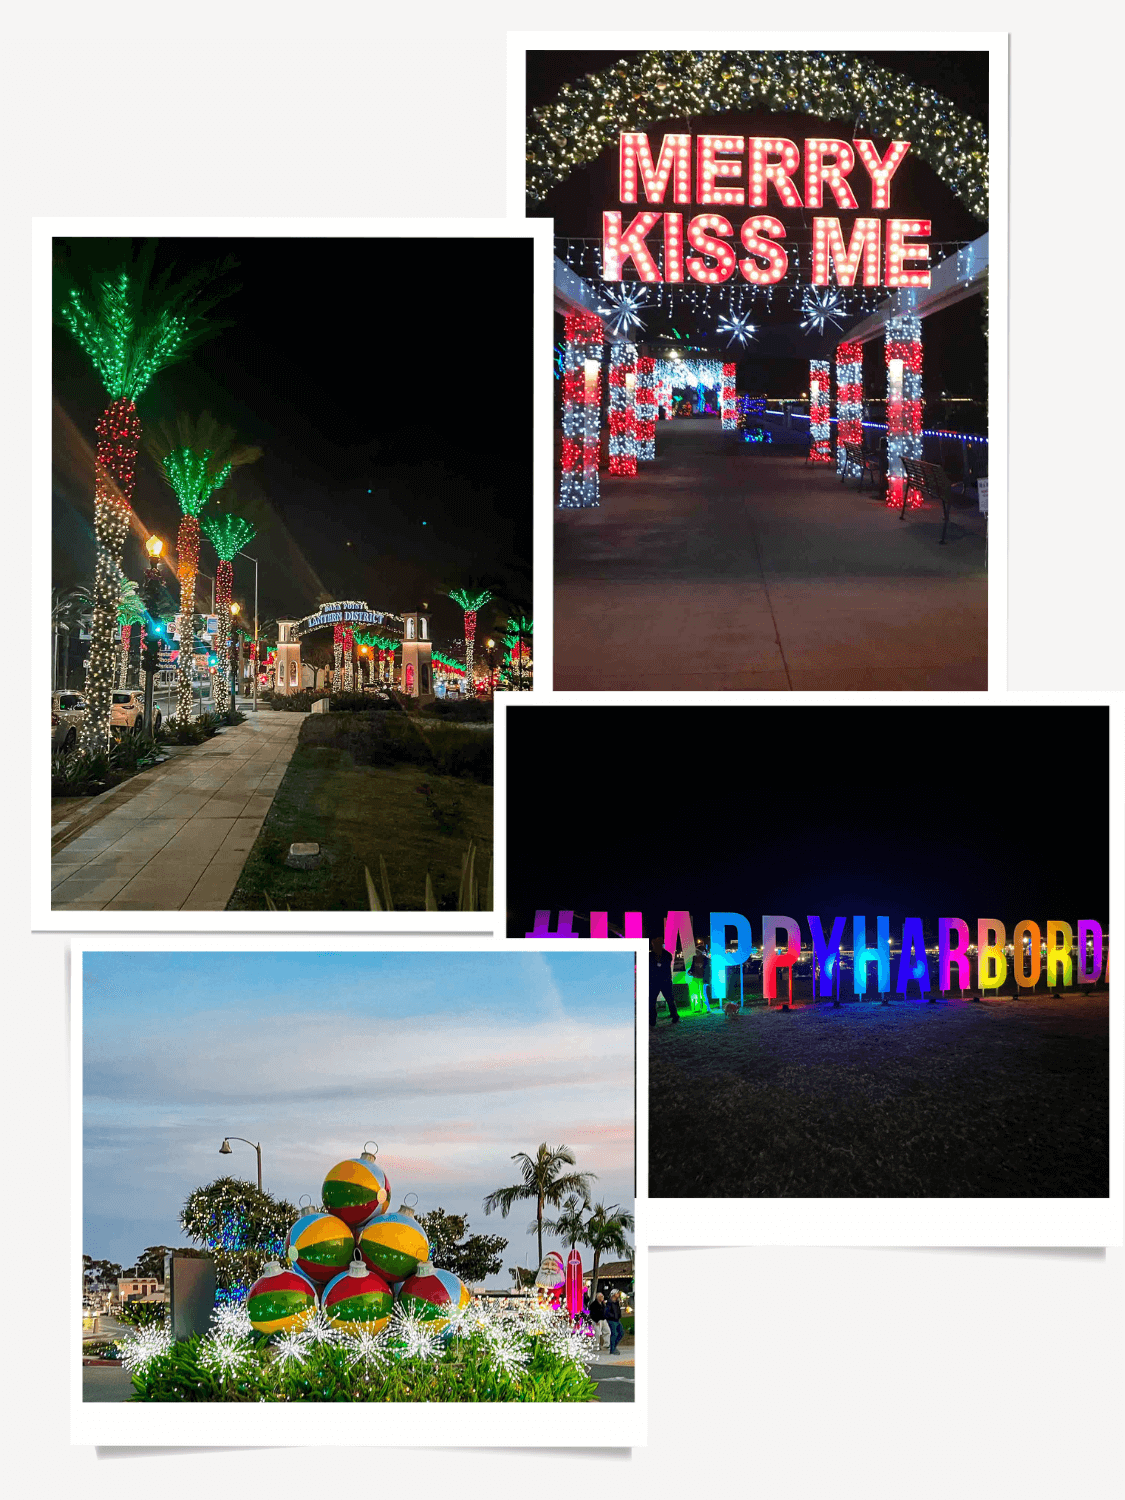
(732, 171)
(781, 950)
(346, 612)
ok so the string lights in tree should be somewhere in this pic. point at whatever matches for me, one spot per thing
(646, 408)
(470, 603)
(903, 353)
(349, 659)
(728, 398)
(337, 657)
(581, 410)
(229, 535)
(820, 393)
(130, 612)
(622, 400)
(849, 404)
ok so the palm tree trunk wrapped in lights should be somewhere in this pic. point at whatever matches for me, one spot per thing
(470, 603)
(130, 612)
(228, 534)
(130, 328)
(349, 660)
(337, 658)
(197, 457)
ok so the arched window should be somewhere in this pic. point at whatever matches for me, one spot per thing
(425, 627)
(293, 671)
(410, 630)
(409, 677)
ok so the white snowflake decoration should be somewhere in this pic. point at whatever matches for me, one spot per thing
(139, 1349)
(821, 307)
(414, 1337)
(622, 310)
(739, 328)
(231, 1320)
(227, 1357)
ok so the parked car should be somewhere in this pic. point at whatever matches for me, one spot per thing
(127, 711)
(67, 713)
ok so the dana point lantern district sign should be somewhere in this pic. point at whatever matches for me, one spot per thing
(1072, 957)
(703, 170)
(349, 612)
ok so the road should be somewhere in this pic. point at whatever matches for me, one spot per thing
(614, 1381)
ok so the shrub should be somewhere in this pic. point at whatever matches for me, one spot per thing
(464, 710)
(194, 732)
(379, 739)
(78, 773)
(141, 1314)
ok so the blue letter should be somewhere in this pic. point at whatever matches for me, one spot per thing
(862, 955)
(916, 968)
(720, 958)
(827, 954)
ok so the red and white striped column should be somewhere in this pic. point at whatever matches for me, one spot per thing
(728, 404)
(622, 416)
(849, 402)
(820, 392)
(646, 408)
(581, 412)
(904, 403)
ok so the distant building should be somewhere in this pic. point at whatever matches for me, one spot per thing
(138, 1289)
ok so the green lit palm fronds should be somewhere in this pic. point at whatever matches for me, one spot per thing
(379, 642)
(132, 324)
(515, 630)
(130, 606)
(470, 602)
(196, 456)
(448, 661)
(228, 534)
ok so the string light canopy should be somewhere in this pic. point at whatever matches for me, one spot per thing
(196, 457)
(228, 534)
(130, 325)
(588, 117)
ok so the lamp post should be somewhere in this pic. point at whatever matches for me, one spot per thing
(224, 1150)
(154, 546)
(232, 668)
(254, 560)
(490, 647)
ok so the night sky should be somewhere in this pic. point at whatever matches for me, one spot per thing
(942, 811)
(955, 349)
(395, 464)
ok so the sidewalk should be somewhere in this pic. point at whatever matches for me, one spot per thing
(175, 837)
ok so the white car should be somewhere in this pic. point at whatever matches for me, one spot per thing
(127, 711)
(67, 713)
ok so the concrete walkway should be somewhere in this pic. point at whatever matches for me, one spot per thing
(721, 567)
(175, 837)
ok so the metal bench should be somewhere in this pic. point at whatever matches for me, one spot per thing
(932, 483)
(858, 460)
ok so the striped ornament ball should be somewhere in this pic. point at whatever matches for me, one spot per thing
(394, 1244)
(359, 1299)
(280, 1300)
(320, 1245)
(356, 1190)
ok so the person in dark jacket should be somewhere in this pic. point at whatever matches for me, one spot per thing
(599, 1321)
(613, 1318)
(660, 981)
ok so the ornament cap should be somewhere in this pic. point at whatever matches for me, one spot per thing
(425, 1268)
(366, 1155)
(272, 1268)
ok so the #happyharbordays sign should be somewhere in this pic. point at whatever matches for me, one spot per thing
(781, 949)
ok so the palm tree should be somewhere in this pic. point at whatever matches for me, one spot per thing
(130, 611)
(68, 608)
(228, 534)
(570, 1225)
(131, 326)
(196, 458)
(517, 628)
(470, 603)
(544, 1181)
(605, 1230)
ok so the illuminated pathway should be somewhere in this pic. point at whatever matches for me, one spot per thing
(720, 568)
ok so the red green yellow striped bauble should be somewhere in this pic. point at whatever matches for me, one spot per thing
(356, 1190)
(429, 1296)
(358, 1299)
(321, 1245)
(393, 1245)
(280, 1300)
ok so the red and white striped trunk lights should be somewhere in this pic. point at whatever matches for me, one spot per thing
(727, 397)
(904, 403)
(622, 401)
(820, 391)
(646, 408)
(849, 402)
(581, 412)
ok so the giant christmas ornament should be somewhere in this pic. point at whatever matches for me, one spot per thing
(358, 1299)
(321, 1245)
(459, 1293)
(429, 1295)
(356, 1190)
(394, 1244)
(280, 1300)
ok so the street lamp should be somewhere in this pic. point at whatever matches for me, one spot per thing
(254, 560)
(224, 1150)
(235, 667)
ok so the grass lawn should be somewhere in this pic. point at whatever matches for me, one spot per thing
(418, 818)
(1009, 1098)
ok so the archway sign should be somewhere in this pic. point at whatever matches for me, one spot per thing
(678, 191)
(350, 612)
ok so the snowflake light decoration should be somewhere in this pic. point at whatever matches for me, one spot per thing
(227, 1357)
(821, 307)
(230, 1320)
(739, 328)
(414, 1337)
(622, 309)
(290, 1348)
(318, 1330)
(370, 1350)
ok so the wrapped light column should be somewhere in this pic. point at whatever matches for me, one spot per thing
(849, 403)
(646, 408)
(904, 403)
(622, 420)
(337, 657)
(581, 411)
(728, 397)
(820, 451)
(349, 660)
(224, 574)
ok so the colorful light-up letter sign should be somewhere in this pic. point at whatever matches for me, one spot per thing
(772, 960)
(581, 411)
(827, 954)
(862, 955)
(731, 171)
(721, 960)
(820, 391)
(992, 966)
(849, 404)
(912, 962)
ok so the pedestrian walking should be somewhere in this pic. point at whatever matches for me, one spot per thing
(599, 1322)
(613, 1318)
(660, 982)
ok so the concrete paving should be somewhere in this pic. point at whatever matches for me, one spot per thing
(175, 837)
(721, 567)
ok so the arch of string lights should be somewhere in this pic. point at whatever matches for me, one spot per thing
(587, 117)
